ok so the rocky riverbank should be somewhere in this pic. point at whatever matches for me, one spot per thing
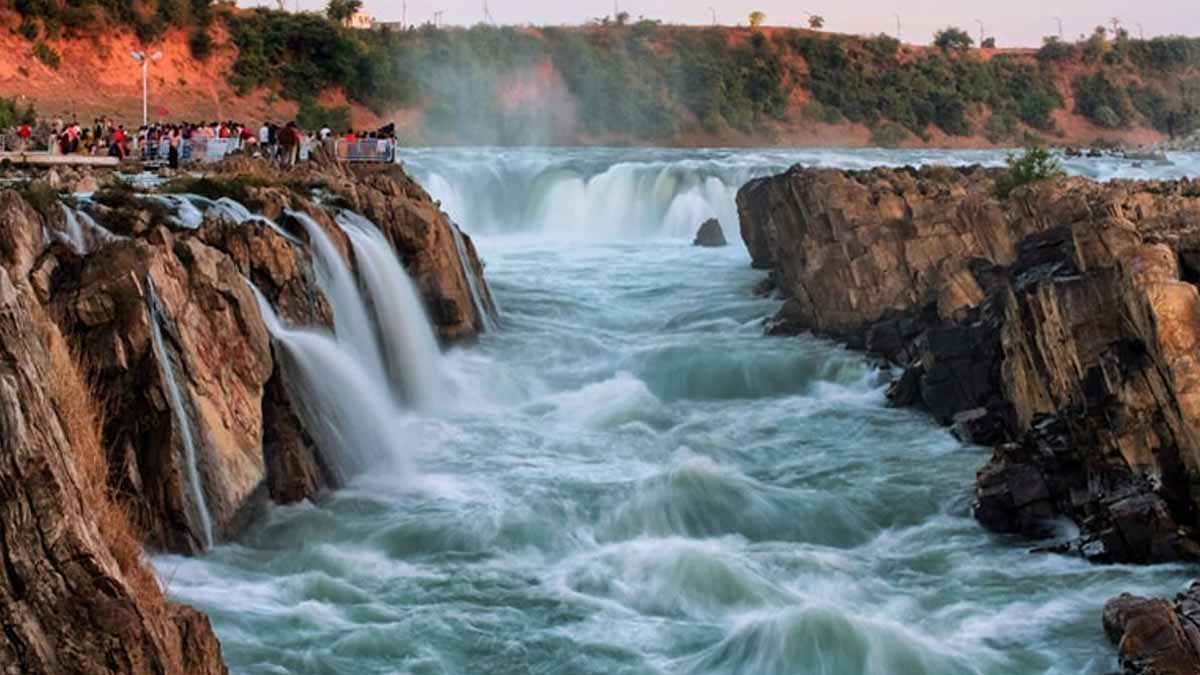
(1059, 325)
(141, 297)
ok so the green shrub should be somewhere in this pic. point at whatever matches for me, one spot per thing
(29, 29)
(951, 39)
(200, 44)
(1101, 101)
(1054, 50)
(1001, 126)
(47, 55)
(888, 136)
(314, 116)
(1035, 165)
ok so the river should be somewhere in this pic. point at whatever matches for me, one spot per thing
(628, 477)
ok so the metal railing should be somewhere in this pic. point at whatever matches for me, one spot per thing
(372, 150)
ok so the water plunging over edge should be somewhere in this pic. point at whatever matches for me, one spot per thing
(178, 409)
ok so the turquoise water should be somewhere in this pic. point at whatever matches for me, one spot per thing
(633, 479)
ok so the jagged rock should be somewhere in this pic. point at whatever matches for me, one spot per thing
(1156, 637)
(710, 235)
(1059, 324)
(66, 605)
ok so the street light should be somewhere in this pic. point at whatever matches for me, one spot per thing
(714, 14)
(145, 60)
(1060, 27)
(981, 32)
(899, 35)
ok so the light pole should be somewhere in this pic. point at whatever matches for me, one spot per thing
(714, 14)
(1060, 27)
(1141, 31)
(898, 33)
(144, 59)
(981, 32)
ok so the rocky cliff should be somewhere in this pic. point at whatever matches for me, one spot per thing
(1059, 325)
(191, 414)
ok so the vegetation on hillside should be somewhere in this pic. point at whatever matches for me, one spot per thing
(643, 81)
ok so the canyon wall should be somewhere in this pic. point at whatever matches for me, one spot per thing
(192, 418)
(1061, 326)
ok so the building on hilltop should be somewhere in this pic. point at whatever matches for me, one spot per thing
(361, 20)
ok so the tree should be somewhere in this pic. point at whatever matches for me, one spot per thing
(622, 18)
(816, 22)
(341, 10)
(951, 39)
(988, 43)
(757, 18)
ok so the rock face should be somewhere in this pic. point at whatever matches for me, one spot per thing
(1059, 325)
(196, 423)
(710, 235)
(66, 604)
(1156, 637)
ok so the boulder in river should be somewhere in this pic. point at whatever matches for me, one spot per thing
(1156, 636)
(710, 234)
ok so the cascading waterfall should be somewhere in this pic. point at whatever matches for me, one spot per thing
(351, 320)
(179, 410)
(383, 351)
(647, 193)
(473, 281)
(349, 410)
(82, 232)
(409, 346)
(646, 484)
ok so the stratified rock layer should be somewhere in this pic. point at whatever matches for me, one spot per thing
(1156, 637)
(1060, 325)
(170, 333)
(65, 604)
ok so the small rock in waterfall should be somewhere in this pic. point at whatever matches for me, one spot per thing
(710, 234)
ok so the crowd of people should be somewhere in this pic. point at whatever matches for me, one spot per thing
(169, 142)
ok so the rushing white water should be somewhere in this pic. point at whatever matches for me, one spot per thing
(351, 318)
(82, 233)
(182, 419)
(409, 346)
(612, 194)
(642, 483)
(349, 410)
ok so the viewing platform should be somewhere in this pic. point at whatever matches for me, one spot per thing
(47, 159)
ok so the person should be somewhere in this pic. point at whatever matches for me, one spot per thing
(173, 141)
(289, 143)
(23, 136)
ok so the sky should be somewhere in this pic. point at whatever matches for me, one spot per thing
(1011, 22)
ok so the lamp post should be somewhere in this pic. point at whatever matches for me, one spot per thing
(145, 59)
(1060, 27)
(899, 35)
(714, 14)
(981, 32)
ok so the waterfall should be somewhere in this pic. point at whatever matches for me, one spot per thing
(351, 321)
(383, 350)
(409, 346)
(473, 282)
(82, 232)
(347, 409)
(179, 410)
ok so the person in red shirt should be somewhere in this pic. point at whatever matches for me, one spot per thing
(24, 134)
(118, 141)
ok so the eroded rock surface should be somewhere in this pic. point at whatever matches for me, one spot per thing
(66, 606)
(710, 235)
(1156, 636)
(1059, 325)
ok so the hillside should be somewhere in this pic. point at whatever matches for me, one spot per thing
(640, 83)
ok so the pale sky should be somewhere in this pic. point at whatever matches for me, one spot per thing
(1012, 22)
